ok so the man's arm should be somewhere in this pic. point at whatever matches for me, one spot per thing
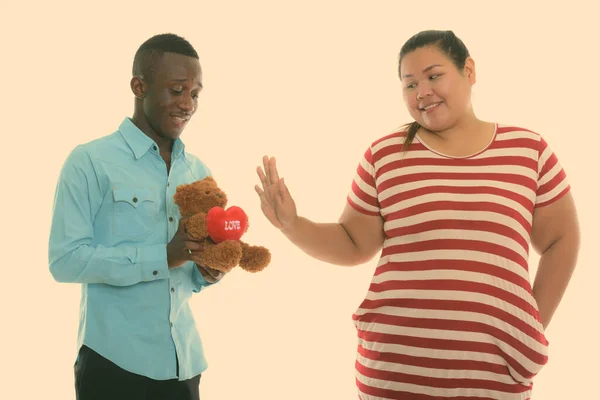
(72, 255)
(555, 236)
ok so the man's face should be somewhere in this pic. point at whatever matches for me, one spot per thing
(171, 96)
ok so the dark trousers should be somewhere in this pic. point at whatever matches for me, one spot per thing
(97, 378)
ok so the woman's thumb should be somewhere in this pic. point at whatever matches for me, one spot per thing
(283, 189)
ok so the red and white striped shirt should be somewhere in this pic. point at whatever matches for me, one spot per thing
(450, 311)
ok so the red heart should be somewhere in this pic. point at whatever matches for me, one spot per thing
(230, 224)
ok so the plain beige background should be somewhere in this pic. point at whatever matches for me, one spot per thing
(313, 83)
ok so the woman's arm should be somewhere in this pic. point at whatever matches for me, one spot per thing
(354, 240)
(555, 236)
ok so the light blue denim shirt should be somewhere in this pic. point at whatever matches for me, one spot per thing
(113, 216)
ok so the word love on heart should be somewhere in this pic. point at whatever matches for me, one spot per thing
(230, 224)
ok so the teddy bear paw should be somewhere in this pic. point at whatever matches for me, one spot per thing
(255, 258)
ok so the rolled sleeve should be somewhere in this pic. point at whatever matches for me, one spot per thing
(198, 280)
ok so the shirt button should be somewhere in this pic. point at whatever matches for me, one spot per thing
(155, 273)
(171, 324)
(171, 219)
(135, 199)
(172, 290)
(154, 147)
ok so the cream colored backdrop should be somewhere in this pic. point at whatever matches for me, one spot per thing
(313, 83)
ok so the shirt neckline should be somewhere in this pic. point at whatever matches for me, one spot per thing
(478, 152)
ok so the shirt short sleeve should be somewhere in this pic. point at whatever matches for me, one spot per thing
(552, 181)
(363, 193)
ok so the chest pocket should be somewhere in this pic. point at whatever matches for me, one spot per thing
(134, 212)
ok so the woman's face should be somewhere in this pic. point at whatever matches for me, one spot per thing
(435, 92)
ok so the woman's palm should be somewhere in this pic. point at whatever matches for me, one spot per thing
(275, 199)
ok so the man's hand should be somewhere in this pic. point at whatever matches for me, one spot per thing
(210, 275)
(181, 248)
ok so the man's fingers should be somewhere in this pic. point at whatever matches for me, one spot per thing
(214, 273)
(194, 246)
(211, 275)
(181, 227)
(207, 277)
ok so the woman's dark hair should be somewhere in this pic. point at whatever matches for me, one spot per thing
(448, 43)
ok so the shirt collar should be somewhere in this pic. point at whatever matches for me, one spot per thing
(140, 143)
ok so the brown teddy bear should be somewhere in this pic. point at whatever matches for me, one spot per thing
(219, 229)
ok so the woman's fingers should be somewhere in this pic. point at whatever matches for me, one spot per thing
(268, 174)
(266, 170)
(273, 174)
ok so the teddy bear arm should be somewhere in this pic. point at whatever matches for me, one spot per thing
(254, 258)
(196, 226)
(223, 256)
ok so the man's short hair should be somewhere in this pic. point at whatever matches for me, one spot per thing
(151, 51)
